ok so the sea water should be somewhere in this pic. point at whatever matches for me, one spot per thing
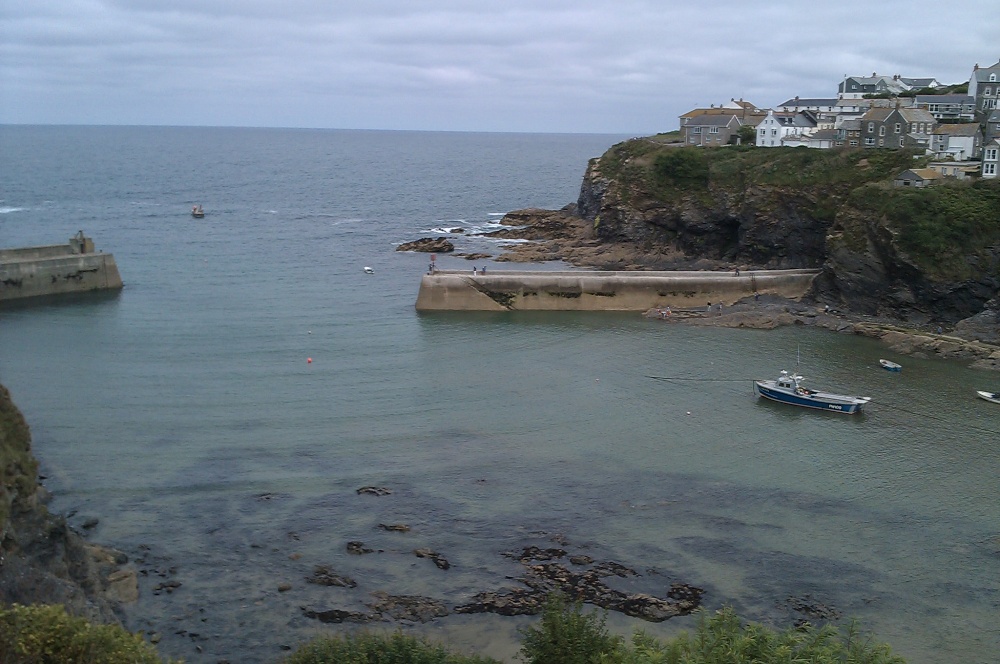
(219, 414)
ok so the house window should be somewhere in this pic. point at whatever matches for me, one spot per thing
(989, 169)
(991, 154)
(713, 130)
(854, 144)
(898, 127)
(881, 130)
(696, 130)
(988, 91)
(881, 142)
(993, 77)
(869, 141)
(900, 141)
(871, 127)
(774, 132)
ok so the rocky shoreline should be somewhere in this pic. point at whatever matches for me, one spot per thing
(562, 235)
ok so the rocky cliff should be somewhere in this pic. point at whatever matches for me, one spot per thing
(926, 258)
(42, 561)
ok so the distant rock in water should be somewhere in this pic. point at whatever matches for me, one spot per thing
(428, 245)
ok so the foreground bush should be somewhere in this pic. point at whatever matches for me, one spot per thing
(724, 639)
(568, 636)
(378, 649)
(42, 634)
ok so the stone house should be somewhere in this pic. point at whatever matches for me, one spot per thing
(958, 141)
(984, 88)
(718, 125)
(897, 128)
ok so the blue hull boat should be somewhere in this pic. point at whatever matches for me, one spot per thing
(890, 366)
(786, 389)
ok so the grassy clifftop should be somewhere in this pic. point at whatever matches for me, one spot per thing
(947, 230)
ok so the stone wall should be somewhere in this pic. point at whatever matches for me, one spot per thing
(56, 269)
(601, 291)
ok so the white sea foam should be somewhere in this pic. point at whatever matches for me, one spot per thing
(8, 210)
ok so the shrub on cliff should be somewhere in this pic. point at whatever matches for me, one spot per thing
(365, 648)
(47, 634)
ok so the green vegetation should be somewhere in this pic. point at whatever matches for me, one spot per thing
(18, 468)
(368, 648)
(940, 227)
(566, 635)
(48, 635)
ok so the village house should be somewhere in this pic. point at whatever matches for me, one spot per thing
(948, 107)
(992, 126)
(777, 126)
(958, 141)
(856, 87)
(984, 88)
(917, 177)
(897, 128)
(718, 125)
(991, 159)
(821, 139)
(960, 170)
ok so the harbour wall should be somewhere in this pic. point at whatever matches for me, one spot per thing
(449, 290)
(57, 269)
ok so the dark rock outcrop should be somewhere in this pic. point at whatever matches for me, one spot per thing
(439, 245)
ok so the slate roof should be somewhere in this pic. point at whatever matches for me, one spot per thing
(945, 99)
(809, 102)
(983, 73)
(965, 129)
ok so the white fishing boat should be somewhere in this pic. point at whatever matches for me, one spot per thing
(989, 396)
(890, 366)
(788, 389)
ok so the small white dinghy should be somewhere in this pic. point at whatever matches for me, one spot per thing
(989, 396)
(369, 270)
(890, 366)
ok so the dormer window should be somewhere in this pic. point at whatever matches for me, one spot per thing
(993, 77)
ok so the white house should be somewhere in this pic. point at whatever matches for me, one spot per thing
(958, 141)
(777, 126)
(991, 159)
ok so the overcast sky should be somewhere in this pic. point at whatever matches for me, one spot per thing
(604, 66)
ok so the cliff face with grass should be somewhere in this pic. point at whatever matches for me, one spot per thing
(915, 254)
(41, 559)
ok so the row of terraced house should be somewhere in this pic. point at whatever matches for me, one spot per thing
(961, 131)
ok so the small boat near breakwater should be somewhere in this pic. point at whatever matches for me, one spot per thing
(890, 366)
(787, 388)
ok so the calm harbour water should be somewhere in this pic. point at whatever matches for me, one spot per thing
(184, 415)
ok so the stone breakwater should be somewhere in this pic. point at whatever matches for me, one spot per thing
(508, 290)
(73, 267)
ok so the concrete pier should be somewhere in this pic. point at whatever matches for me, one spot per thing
(503, 290)
(73, 267)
